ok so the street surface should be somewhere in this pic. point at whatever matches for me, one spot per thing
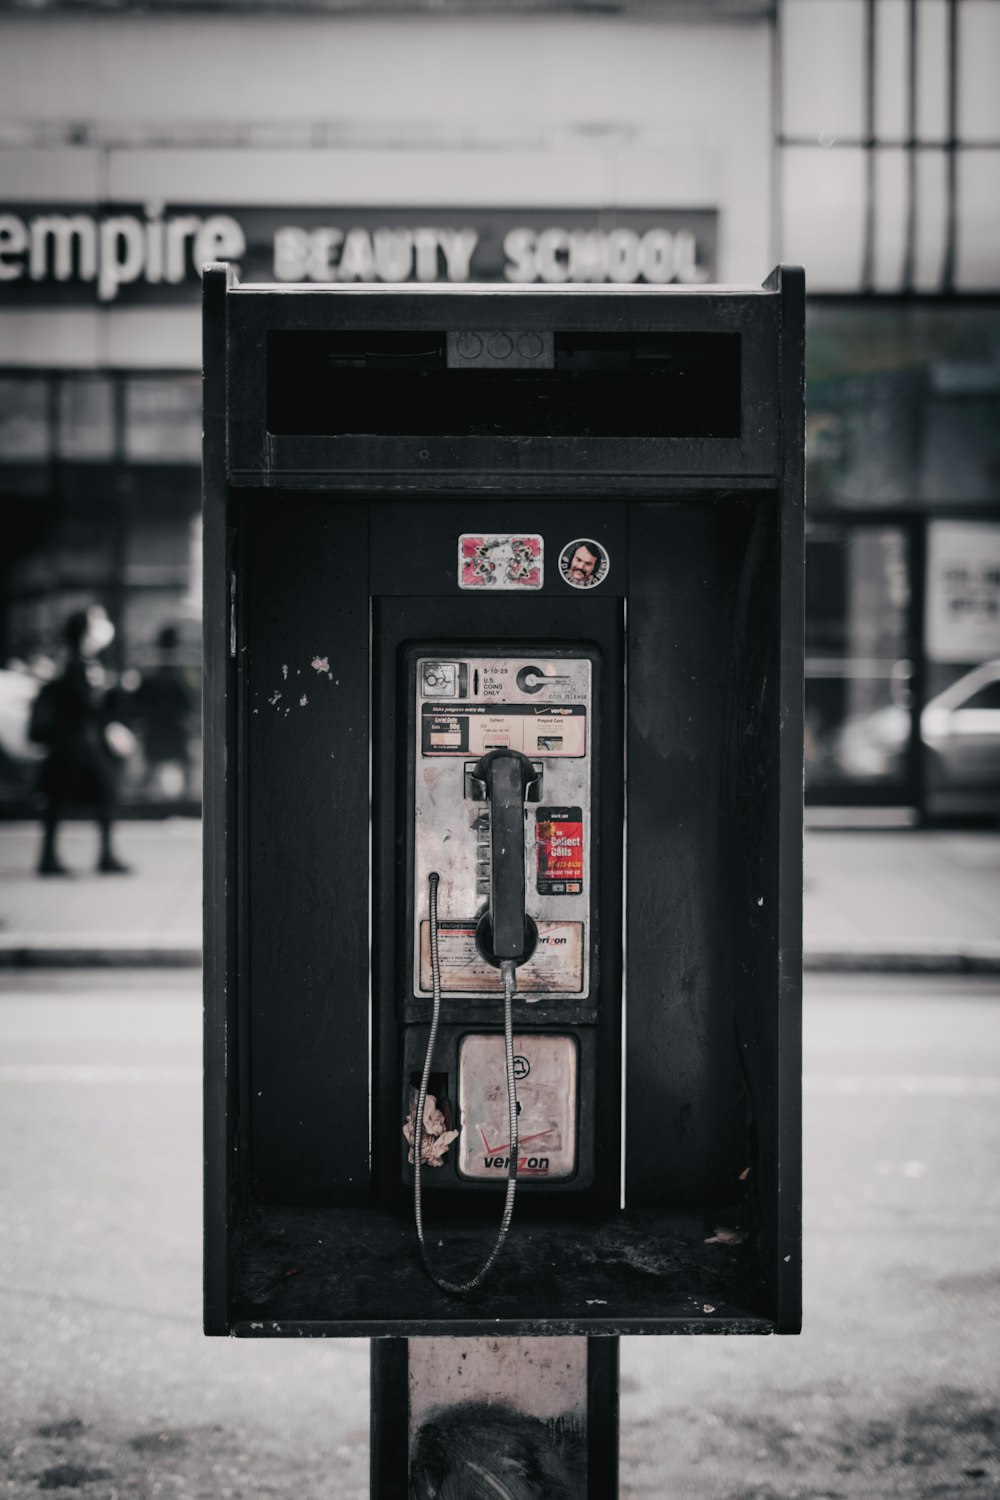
(892, 1388)
(109, 1388)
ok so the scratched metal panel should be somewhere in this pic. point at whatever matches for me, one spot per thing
(305, 661)
(498, 1409)
(572, 1383)
(686, 1111)
(452, 831)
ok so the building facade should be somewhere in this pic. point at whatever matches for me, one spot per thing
(652, 142)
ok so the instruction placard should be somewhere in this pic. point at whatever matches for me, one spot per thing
(533, 728)
(555, 967)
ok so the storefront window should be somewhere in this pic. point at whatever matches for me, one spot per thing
(858, 661)
(822, 94)
(69, 566)
(163, 419)
(824, 214)
(979, 216)
(931, 23)
(124, 539)
(903, 403)
(24, 419)
(960, 723)
(906, 94)
(979, 98)
(85, 418)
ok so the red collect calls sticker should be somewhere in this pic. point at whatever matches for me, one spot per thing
(559, 851)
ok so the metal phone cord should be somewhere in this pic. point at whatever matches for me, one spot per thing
(508, 974)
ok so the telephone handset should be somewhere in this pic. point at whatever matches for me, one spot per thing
(498, 882)
(506, 932)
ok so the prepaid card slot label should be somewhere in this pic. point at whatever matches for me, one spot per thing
(533, 728)
(555, 967)
(546, 1072)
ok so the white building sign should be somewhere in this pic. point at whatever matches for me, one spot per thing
(963, 591)
(154, 253)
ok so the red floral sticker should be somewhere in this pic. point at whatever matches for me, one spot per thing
(500, 562)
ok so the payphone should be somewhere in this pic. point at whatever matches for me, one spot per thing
(499, 833)
(503, 808)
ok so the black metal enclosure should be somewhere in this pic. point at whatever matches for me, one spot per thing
(353, 435)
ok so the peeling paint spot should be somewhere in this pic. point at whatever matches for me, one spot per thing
(284, 670)
(303, 700)
(726, 1237)
(320, 664)
(274, 697)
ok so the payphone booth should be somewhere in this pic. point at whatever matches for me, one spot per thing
(503, 614)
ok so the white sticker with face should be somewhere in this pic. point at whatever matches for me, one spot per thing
(584, 563)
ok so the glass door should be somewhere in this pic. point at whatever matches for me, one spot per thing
(861, 651)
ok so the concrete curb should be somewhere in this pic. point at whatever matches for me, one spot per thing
(977, 959)
(23, 951)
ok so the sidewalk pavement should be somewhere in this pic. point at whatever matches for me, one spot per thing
(900, 900)
(151, 917)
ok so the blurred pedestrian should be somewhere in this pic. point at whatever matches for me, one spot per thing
(163, 707)
(70, 719)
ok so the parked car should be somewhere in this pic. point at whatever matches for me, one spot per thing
(960, 730)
